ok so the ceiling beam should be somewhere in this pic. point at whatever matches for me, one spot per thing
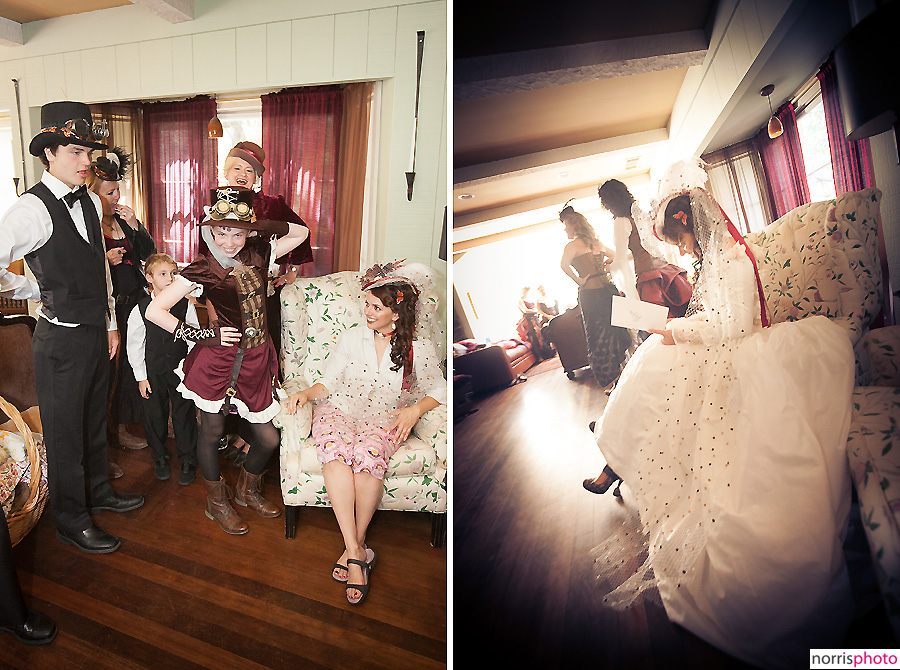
(502, 74)
(173, 11)
(10, 33)
(502, 169)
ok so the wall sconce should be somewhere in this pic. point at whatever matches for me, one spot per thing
(215, 127)
(775, 128)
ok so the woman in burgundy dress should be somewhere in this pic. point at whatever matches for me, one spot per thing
(653, 279)
(128, 244)
(233, 366)
(244, 168)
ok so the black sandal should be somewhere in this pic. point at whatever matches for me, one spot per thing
(362, 588)
(370, 563)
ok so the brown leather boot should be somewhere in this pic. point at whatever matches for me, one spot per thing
(219, 509)
(247, 494)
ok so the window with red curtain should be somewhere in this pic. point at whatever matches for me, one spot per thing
(301, 130)
(850, 161)
(782, 160)
(180, 161)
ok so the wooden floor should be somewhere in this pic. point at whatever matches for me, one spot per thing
(524, 590)
(180, 593)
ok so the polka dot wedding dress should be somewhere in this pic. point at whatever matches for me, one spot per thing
(731, 445)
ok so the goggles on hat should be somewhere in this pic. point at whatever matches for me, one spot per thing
(227, 204)
(81, 129)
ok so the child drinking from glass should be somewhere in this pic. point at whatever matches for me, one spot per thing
(154, 355)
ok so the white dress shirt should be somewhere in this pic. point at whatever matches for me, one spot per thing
(26, 227)
(621, 268)
(136, 339)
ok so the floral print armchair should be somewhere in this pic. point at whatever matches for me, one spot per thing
(822, 258)
(314, 311)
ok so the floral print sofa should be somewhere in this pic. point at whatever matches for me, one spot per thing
(822, 258)
(314, 311)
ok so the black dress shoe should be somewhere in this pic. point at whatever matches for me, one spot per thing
(161, 468)
(188, 472)
(118, 502)
(92, 540)
(37, 629)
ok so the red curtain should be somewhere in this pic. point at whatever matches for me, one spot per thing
(301, 130)
(180, 161)
(850, 161)
(783, 163)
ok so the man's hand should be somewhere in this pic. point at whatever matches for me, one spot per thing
(144, 388)
(113, 339)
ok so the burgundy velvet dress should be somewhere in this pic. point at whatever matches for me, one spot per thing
(239, 299)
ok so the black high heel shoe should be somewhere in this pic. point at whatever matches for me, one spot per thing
(600, 488)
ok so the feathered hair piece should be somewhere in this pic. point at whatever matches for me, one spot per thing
(113, 166)
(379, 275)
(566, 210)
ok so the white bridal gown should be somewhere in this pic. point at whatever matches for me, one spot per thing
(733, 444)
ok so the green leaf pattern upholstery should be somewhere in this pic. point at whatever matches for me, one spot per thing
(314, 311)
(822, 258)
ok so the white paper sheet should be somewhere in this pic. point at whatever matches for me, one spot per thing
(638, 314)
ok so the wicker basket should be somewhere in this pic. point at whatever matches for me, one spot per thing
(23, 519)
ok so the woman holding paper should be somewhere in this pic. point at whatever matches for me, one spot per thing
(583, 260)
(735, 457)
(652, 279)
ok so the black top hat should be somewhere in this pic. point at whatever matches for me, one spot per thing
(112, 167)
(64, 123)
(232, 207)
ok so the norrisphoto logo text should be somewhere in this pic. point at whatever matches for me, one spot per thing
(854, 658)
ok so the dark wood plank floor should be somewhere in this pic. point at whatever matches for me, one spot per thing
(524, 590)
(180, 593)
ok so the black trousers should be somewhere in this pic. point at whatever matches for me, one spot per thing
(163, 390)
(71, 371)
(12, 607)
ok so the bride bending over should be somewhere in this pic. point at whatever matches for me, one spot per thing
(731, 436)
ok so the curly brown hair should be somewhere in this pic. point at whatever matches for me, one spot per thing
(616, 198)
(405, 308)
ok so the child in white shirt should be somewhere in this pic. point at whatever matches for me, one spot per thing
(154, 355)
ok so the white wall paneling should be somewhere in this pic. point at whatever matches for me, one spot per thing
(313, 54)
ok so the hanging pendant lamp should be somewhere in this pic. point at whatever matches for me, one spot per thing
(214, 127)
(775, 128)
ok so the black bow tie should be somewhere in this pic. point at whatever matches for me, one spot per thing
(70, 198)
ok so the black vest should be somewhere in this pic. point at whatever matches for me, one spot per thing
(162, 352)
(71, 272)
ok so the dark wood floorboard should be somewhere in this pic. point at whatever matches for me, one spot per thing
(182, 594)
(524, 591)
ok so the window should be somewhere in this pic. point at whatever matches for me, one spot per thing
(734, 180)
(241, 122)
(814, 145)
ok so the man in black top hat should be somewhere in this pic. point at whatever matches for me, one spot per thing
(55, 226)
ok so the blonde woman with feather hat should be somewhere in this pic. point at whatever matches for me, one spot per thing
(128, 245)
